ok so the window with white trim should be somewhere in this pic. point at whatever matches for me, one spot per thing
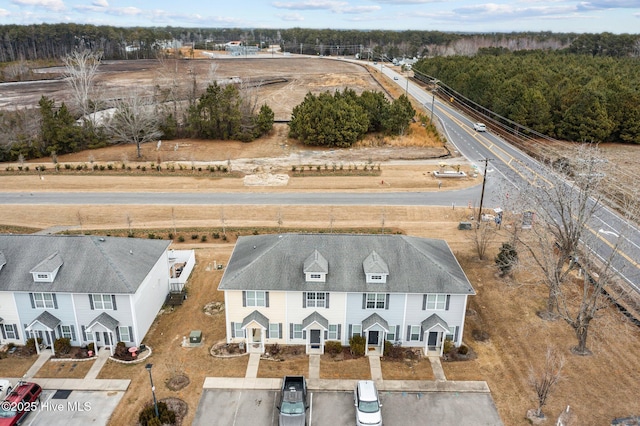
(436, 301)
(256, 298)
(43, 276)
(66, 331)
(238, 331)
(315, 276)
(391, 335)
(274, 330)
(376, 300)
(297, 331)
(124, 334)
(414, 336)
(10, 331)
(451, 333)
(316, 299)
(333, 332)
(89, 336)
(43, 300)
(356, 330)
(102, 301)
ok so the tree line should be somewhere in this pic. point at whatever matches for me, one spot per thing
(566, 94)
(53, 41)
(342, 119)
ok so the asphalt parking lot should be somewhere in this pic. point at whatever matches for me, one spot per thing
(71, 408)
(258, 408)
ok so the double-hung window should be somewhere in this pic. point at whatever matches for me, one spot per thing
(10, 331)
(297, 331)
(274, 330)
(124, 334)
(414, 336)
(66, 332)
(238, 331)
(391, 335)
(376, 300)
(256, 298)
(102, 301)
(333, 332)
(436, 301)
(356, 330)
(316, 299)
(43, 300)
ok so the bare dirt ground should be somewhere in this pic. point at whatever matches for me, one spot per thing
(598, 388)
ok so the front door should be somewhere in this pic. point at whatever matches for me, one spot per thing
(373, 337)
(107, 340)
(255, 335)
(432, 341)
(314, 339)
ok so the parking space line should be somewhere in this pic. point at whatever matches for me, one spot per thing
(235, 414)
(310, 408)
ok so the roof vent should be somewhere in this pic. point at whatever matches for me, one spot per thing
(102, 239)
(130, 251)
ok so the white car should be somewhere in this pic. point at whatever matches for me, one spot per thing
(367, 404)
(479, 127)
(5, 388)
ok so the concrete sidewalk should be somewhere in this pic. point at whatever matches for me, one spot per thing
(103, 356)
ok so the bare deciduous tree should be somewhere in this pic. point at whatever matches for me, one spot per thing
(81, 68)
(545, 379)
(564, 246)
(135, 120)
(481, 236)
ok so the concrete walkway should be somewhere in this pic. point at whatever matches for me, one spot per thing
(376, 369)
(44, 356)
(103, 356)
(252, 366)
(314, 366)
(436, 366)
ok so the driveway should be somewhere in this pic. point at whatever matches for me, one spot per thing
(258, 407)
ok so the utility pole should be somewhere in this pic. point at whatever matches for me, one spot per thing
(433, 98)
(484, 181)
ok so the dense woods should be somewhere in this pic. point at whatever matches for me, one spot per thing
(573, 96)
(54, 41)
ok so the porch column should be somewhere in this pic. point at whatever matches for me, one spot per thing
(35, 339)
(53, 341)
(111, 342)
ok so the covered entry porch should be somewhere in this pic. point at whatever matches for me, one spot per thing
(43, 328)
(103, 329)
(435, 331)
(375, 329)
(255, 326)
(315, 328)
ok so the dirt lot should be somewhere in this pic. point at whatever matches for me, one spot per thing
(599, 387)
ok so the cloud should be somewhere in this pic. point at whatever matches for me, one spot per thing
(291, 17)
(100, 3)
(360, 9)
(608, 4)
(4, 13)
(54, 5)
(309, 5)
(496, 11)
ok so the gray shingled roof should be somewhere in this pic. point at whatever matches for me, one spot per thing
(50, 264)
(48, 320)
(374, 264)
(315, 317)
(105, 320)
(275, 262)
(316, 263)
(433, 320)
(373, 319)
(257, 317)
(91, 264)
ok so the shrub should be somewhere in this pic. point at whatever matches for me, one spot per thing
(394, 351)
(30, 345)
(26, 168)
(121, 350)
(194, 236)
(79, 167)
(216, 235)
(448, 346)
(463, 350)
(333, 347)
(203, 238)
(95, 167)
(170, 235)
(151, 236)
(144, 168)
(91, 347)
(62, 345)
(357, 345)
(102, 167)
(273, 350)
(67, 166)
(110, 166)
(148, 415)
(181, 239)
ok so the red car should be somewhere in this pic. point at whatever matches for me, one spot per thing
(23, 399)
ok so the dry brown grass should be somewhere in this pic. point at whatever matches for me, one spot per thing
(407, 369)
(357, 368)
(16, 366)
(65, 369)
(296, 366)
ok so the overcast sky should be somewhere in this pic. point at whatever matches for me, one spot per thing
(616, 16)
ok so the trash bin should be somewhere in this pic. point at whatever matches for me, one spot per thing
(195, 337)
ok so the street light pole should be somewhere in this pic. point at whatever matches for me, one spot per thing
(153, 389)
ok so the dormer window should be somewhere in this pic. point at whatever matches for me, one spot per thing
(315, 268)
(46, 271)
(375, 269)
